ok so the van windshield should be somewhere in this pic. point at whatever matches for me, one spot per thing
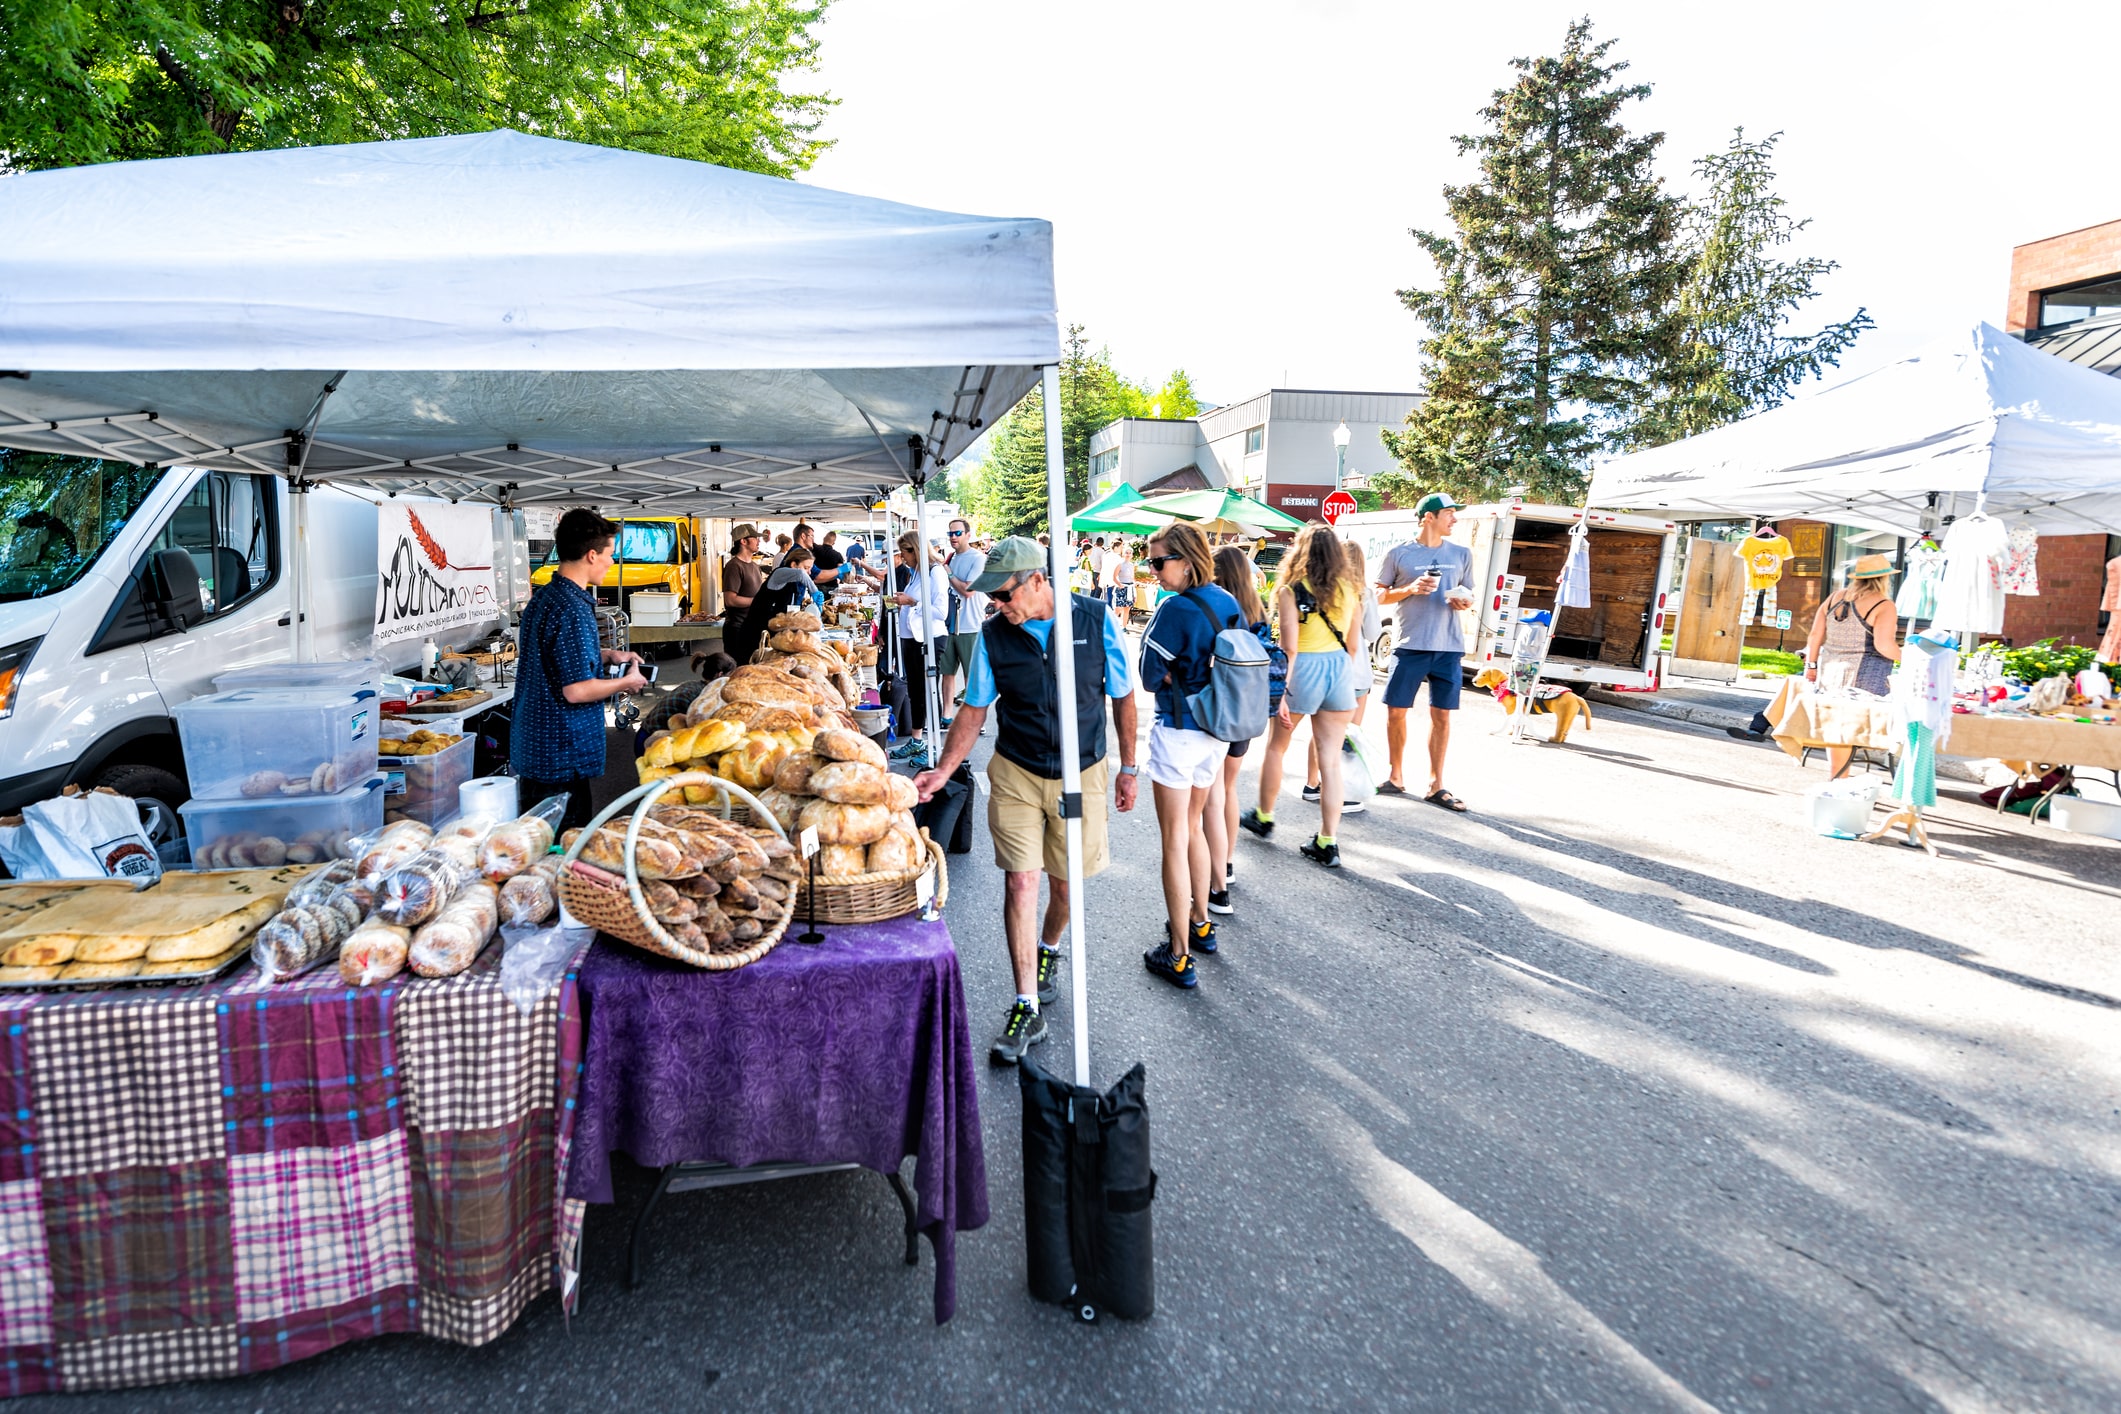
(57, 513)
(640, 542)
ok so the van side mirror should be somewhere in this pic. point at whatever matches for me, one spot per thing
(174, 583)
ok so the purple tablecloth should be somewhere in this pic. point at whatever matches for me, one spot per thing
(852, 1050)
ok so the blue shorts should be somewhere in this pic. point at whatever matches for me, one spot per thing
(1319, 682)
(1439, 669)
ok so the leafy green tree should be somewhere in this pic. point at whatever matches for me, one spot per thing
(1730, 357)
(1176, 398)
(102, 80)
(1009, 497)
(1557, 280)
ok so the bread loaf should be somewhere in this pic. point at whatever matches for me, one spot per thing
(902, 794)
(850, 783)
(782, 806)
(895, 853)
(839, 744)
(373, 953)
(839, 860)
(794, 621)
(97, 971)
(792, 776)
(844, 824)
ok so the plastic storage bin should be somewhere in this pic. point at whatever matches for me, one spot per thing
(2086, 817)
(238, 834)
(424, 788)
(257, 743)
(1843, 812)
(649, 608)
(355, 675)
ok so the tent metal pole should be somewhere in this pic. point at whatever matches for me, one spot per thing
(931, 657)
(1071, 802)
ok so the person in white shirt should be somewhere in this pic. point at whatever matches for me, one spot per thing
(1119, 578)
(953, 651)
(931, 582)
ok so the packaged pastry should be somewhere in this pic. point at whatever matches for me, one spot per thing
(532, 896)
(515, 845)
(453, 940)
(418, 889)
(386, 849)
(372, 953)
(292, 942)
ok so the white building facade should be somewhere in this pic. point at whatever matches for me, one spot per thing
(1277, 446)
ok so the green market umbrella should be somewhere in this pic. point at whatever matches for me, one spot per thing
(1221, 511)
(1118, 510)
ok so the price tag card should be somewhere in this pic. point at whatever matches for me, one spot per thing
(924, 890)
(808, 841)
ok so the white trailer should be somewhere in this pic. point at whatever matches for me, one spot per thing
(1518, 551)
(91, 656)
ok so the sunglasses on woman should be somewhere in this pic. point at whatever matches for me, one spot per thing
(1157, 562)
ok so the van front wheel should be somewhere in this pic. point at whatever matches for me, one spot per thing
(147, 784)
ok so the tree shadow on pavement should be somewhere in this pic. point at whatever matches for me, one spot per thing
(1810, 914)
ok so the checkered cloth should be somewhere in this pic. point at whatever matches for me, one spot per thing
(203, 1181)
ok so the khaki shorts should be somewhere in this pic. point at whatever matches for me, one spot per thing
(1023, 815)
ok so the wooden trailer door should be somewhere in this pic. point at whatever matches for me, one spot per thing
(1707, 642)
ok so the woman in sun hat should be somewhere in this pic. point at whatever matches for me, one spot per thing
(1858, 629)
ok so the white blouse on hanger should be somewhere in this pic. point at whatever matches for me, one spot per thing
(1970, 600)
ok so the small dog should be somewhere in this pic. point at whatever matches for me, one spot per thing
(1564, 706)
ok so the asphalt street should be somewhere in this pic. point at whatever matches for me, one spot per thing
(1622, 1092)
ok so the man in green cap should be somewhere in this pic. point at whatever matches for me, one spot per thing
(1012, 670)
(1426, 582)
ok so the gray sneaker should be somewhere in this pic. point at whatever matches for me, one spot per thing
(1024, 1029)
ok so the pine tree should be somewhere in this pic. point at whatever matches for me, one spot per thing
(1009, 497)
(1557, 281)
(1729, 358)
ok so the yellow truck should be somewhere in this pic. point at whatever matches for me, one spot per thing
(659, 553)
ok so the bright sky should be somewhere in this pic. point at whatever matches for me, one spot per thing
(1231, 184)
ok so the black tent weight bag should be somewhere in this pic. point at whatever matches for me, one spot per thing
(1087, 1194)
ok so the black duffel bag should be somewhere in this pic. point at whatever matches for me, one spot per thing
(1087, 1191)
(947, 815)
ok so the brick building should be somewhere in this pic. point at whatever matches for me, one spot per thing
(2065, 298)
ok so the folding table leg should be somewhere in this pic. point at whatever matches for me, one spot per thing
(640, 1225)
(913, 1232)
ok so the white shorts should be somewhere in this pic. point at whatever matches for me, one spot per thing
(1181, 757)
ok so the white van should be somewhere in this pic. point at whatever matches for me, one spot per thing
(1612, 643)
(124, 590)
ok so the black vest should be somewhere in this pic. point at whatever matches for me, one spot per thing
(1028, 712)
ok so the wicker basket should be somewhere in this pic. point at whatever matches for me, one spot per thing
(735, 811)
(872, 898)
(616, 906)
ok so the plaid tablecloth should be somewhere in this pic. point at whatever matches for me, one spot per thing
(208, 1181)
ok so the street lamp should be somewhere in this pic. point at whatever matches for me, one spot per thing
(1340, 454)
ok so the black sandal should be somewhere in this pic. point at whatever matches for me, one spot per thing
(1389, 788)
(1446, 800)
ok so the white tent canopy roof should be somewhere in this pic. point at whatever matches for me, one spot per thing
(1978, 416)
(584, 324)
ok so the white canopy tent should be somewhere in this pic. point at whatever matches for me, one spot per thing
(512, 319)
(1980, 418)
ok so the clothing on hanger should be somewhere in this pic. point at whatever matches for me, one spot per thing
(1764, 552)
(2110, 644)
(1575, 588)
(1917, 598)
(1923, 682)
(2021, 569)
(1970, 598)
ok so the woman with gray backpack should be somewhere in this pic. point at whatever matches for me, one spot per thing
(1210, 690)
(1318, 603)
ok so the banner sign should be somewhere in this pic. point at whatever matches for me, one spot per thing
(1300, 499)
(434, 570)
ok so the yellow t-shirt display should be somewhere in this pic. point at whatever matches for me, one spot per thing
(1763, 556)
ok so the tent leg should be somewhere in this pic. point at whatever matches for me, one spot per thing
(933, 657)
(1072, 803)
(298, 636)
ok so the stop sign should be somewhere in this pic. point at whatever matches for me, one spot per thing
(1339, 504)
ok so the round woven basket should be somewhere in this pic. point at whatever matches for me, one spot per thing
(616, 906)
(872, 898)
